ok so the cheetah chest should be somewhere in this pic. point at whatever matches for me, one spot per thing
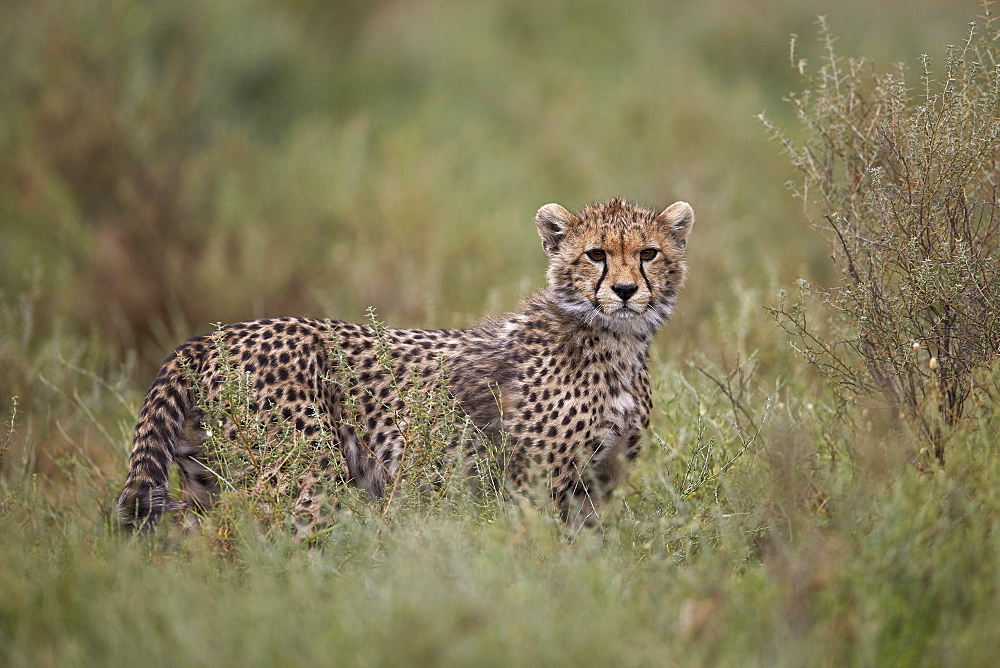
(599, 404)
(624, 411)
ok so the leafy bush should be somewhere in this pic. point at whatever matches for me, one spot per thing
(905, 182)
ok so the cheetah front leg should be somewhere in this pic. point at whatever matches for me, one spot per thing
(584, 496)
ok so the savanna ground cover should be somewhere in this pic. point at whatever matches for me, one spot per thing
(821, 482)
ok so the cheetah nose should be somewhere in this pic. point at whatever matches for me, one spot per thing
(624, 290)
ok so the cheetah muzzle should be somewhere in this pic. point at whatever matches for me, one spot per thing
(560, 389)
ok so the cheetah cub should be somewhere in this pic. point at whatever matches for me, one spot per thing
(560, 389)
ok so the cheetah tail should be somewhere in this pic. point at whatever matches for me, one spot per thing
(161, 422)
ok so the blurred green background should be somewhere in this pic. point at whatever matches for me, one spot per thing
(169, 165)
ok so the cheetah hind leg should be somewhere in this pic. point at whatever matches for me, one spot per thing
(318, 501)
(316, 505)
(199, 484)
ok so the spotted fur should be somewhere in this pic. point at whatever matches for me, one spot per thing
(562, 386)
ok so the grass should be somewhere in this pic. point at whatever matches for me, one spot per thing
(169, 166)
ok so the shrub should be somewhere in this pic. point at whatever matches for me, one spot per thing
(902, 184)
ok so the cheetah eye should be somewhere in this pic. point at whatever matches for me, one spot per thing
(597, 255)
(648, 254)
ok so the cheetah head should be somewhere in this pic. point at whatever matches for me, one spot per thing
(616, 265)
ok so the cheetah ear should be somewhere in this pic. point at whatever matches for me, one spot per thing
(553, 222)
(677, 220)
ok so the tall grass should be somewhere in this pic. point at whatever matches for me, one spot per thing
(171, 165)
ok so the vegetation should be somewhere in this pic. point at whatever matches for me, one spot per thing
(172, 165)
(908, 190)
